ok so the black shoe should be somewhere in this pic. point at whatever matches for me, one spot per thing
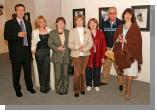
(102, 83)
(121, 87)
(32, 91)
(45, 92)
(105, 83)
(19, 94)
(76, 95)
(60, 93)
(63, 93)
(83, 93)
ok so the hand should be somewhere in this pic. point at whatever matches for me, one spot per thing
(122, 41)
(61, 48)
(81, 48)
(22, 34)
(120, 37)
(102, 61)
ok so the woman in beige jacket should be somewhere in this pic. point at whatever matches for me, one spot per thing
(80, 42)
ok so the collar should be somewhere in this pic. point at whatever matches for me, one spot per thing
(18, 20)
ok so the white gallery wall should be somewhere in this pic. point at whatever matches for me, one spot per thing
(3, 44)
(91, 10)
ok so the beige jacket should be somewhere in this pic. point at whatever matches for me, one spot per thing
(74, 42)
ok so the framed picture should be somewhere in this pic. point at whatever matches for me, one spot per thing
(26, 16)
(103, 15)
(77, 12)
(1, 9)
(142, 16)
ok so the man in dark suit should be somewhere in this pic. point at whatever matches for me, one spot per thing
(17, 32)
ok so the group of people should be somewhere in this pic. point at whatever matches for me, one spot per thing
(52, 51)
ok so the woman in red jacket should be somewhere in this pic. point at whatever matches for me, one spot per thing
(97, 56)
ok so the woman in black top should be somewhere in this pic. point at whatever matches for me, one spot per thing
(42, 53)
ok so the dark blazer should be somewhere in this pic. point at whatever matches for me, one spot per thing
(54, 42)
(15, 44)
(109, 32)
(132, 49)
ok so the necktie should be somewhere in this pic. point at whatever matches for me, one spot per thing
(25, 42)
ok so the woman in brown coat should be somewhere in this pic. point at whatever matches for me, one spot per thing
(128, 50)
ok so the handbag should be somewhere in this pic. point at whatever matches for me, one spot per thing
(110, 54)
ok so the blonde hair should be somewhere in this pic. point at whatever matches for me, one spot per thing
(40, 17)
(77, 17)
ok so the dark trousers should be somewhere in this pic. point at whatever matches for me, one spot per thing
(16, 70)
(61, 77)
(80, 64)
(43, 64)
(93, 75)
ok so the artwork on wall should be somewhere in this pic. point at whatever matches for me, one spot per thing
(77, 12)
(26, 16)
(142, 16)
(1, 9)
(103, 15)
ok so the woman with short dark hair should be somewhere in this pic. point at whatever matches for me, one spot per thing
(58, 42)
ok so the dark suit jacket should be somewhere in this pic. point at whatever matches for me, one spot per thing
(15, 44)
(54, 42)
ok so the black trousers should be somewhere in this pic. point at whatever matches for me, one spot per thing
(43, 64)
(93, 75)
(16, 70)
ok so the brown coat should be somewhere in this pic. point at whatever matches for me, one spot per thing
(132, 49)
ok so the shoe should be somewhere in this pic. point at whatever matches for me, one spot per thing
(83, 93)
(32, 91)
(102, 83)
(76, 95)
(19, 94)
(61, 93)
(97, 89)
(45, 92)
(105, 83)
(89, 88)
(121, 87)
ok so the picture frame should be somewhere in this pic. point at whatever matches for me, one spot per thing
(1, 9)
(103, 15)
(26, 16)
(76, 12)
(142, 13)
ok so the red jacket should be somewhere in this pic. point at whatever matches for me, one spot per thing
(100, 43)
